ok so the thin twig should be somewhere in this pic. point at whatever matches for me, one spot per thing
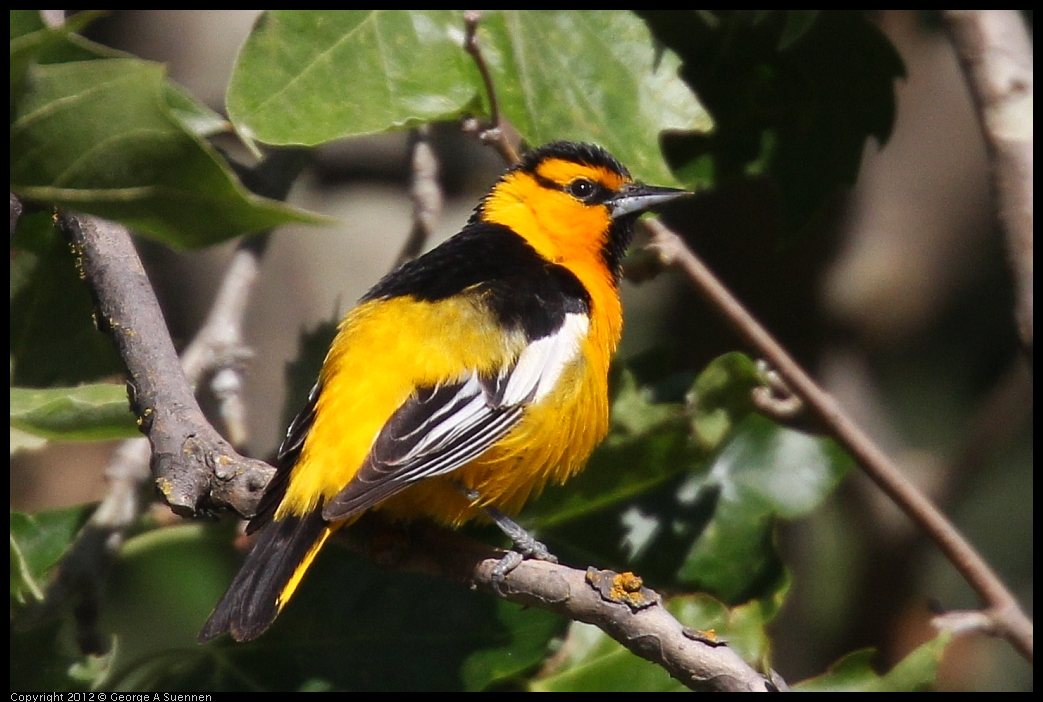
(995, 51)
(427, 196)
(496, 132)
(218, 347)
(1008, 620)
(652, 632)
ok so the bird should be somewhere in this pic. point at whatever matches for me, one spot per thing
(463, 382)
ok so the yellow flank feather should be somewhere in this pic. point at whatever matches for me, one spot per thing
(465, 380)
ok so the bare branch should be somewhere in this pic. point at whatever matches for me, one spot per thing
(995, 52)
(194, 467)
(650, 632)
(426, 194)
(1009, 621)
(217, 348)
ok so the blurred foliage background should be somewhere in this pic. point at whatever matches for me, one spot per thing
(844, 197)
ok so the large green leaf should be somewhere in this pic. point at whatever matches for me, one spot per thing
(43, 654)
(307, 77)
(765, 472)
(99, 136)
(32, 41)
(648, 444)
(687, 494)
(590, 76)
(87, 412)
(594, 662)
(661, 426)
(310, 77)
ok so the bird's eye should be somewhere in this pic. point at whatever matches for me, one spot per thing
(581, 188)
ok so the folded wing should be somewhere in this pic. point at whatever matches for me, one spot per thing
(442, 428)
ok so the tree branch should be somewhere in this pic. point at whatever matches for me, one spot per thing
(426, 194)
(1004, 613)
(194, 467)
(217, 348)
(650, 632)
(995, 51)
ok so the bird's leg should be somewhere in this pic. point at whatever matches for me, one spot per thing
(525, 545)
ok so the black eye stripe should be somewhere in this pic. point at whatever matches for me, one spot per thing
(547, 182)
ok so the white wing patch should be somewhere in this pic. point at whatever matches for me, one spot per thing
(442, 428)
(540, 365)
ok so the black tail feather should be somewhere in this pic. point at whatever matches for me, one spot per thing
(251, 603)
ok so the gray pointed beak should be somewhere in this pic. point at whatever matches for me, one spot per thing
(635, 198)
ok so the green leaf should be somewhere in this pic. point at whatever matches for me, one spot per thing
(853, 673)
(99, 136)
(765, 472)
(603, 665)
(307, 77)
(38, 542)
(650, 440)
(44, 655)
(163, 584)
(53, 337)
(195, 117)
(310, 77)
(529, 633)
(721, 398)
(87, 412)
(32, 41)
(24, 22)
(590, 76)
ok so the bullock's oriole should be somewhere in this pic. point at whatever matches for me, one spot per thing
(464, 381)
